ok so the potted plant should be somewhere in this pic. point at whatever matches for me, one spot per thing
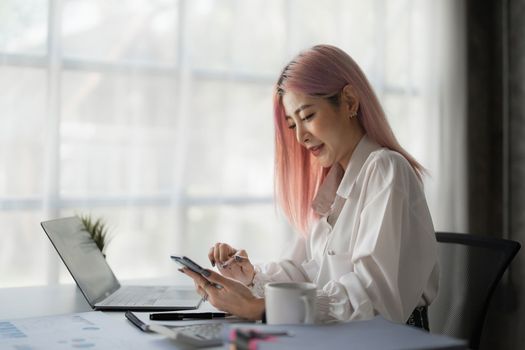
(98, 231)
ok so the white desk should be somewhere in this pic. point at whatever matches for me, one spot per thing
(62, 299)
(27, 302)
(41, 301)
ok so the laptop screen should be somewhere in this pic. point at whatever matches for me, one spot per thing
(82, 257)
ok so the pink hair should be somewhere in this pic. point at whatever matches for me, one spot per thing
(321, 71)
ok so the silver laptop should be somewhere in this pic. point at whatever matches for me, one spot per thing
(97, 282)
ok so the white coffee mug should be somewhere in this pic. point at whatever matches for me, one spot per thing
(290, 302)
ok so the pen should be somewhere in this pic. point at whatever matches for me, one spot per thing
(136, 321)
(242, 336)
(177, 316)
(236, 258)
(262, 334)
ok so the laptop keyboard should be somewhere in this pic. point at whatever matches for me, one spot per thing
(144, 296)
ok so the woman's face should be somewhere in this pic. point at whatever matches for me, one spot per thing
(326, 131)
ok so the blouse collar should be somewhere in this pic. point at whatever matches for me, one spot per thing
(341, 182)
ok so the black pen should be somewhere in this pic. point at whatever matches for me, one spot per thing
(177, 316)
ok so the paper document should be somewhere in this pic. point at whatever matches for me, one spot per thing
(88, 330)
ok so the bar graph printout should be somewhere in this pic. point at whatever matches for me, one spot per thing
(89, 330)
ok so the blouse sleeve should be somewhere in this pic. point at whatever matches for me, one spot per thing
(287, 269)
(395, 253)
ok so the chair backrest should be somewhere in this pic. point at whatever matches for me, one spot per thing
(471, 266)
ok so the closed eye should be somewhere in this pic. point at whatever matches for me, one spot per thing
(305, 119)
(308, 117)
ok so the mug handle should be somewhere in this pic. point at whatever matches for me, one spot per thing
(308, 310)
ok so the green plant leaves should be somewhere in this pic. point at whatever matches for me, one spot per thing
(97, 229)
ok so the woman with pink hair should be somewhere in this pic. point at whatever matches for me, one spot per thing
(354, 194)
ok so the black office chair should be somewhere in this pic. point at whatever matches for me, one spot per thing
(471, 266)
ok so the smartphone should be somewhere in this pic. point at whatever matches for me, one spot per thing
(190, 264)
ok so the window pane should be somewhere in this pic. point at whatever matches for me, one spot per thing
(314, 22)
(231, 139)
(397, 44)
(406, 114)
(259, 41)
(119, 98)
(114, 125)
(112, 30)
(106, 161)
(255, 228)
(230, 45)
(142, 239)
(23, 26)
(359, 26)
(211, 24)
(22, 131)
(24, 251)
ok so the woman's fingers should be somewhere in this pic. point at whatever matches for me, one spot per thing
(220, 252)
(219, 279)
(201, 283)
(233, 297)
(207, 284)
(225, 252)
(197, 278)
(243, 253)
(211, 255)
(240, 257)
(216, 254)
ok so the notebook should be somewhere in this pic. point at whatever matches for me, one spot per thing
(97, 281)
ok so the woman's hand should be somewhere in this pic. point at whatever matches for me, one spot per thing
(232, 263)
(234, 297)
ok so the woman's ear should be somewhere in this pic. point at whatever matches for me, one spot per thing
(350, 100)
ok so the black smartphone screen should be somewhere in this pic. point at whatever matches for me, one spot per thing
(190, 264)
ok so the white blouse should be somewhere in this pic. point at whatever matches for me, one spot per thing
(373, 250)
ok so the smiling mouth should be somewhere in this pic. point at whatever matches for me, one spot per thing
(316, 150)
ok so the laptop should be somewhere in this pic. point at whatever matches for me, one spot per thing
(97, 281)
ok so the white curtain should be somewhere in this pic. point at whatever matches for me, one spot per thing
(446, 117)
(155, 115)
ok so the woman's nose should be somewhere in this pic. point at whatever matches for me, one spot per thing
(301, 134)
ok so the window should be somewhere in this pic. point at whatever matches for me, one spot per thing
(156, 116)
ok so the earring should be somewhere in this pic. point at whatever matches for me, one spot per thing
(353, 115)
